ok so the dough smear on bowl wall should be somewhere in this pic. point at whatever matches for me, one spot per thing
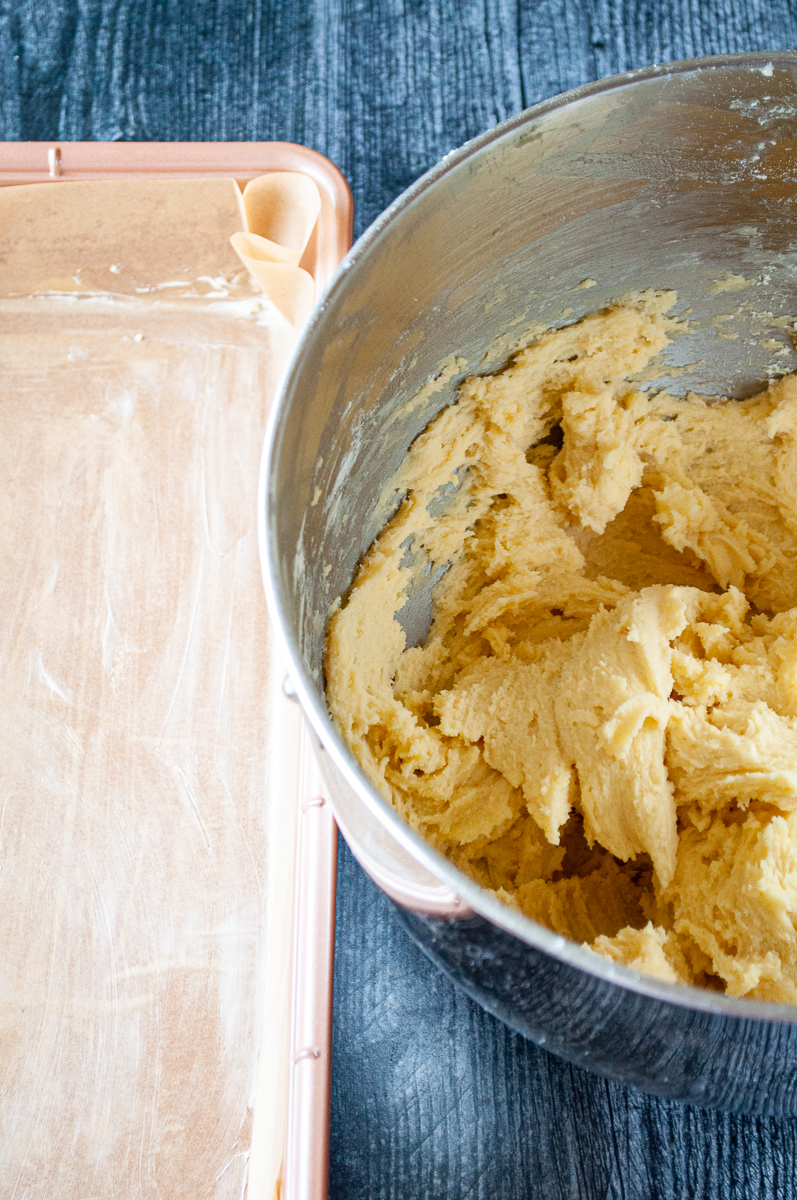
(600, 726)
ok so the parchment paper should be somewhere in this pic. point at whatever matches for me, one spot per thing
(144, 857)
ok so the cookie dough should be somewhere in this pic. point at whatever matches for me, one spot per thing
(601, 725)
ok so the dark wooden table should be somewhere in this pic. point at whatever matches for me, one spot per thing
(432, 1098)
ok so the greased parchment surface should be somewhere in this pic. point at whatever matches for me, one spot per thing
(145, 864)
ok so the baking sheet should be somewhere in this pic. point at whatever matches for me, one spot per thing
(145, 846)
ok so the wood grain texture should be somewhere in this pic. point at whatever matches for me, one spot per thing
(431, 1096)
(382, 87)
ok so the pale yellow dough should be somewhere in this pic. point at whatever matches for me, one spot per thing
(601, 726)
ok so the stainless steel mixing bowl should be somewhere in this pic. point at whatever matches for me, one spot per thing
(681, 177)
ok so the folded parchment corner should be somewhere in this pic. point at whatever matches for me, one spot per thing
(281, 213)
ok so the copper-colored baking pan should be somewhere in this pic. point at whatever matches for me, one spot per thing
(305, 1160)
(38, 162)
